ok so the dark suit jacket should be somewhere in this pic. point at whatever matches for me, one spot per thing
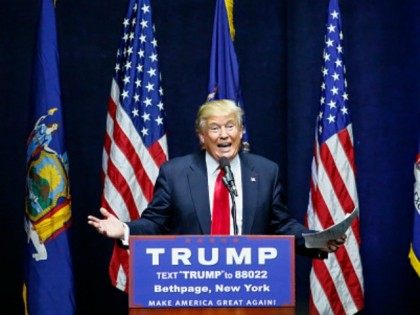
(181, 200)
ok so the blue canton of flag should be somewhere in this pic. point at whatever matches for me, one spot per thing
(334, 114)
(135, 141)
(137, 74)
(48, 286)
(224, 68)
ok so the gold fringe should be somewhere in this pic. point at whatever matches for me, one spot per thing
(414, 260)
(25, 301)
(229, 10)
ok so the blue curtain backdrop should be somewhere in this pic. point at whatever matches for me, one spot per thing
(279, 48)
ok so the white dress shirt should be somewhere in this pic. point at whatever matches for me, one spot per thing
(212, 172)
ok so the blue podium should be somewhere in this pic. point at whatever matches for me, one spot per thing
(206, 274)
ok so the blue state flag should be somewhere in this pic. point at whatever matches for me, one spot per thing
(224, 68)
(414, 254)
(48, 284)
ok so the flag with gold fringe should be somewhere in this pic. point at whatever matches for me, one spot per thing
(48, 283)
(414, 254)
(224, 67)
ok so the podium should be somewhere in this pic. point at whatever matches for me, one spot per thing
(212, 275)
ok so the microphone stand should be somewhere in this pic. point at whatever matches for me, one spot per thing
(233, 209)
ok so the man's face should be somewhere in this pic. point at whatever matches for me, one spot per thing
(221, 137)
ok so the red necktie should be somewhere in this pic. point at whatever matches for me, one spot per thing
(220, 223)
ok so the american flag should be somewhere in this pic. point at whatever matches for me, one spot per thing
(135, 142)
(336, 283)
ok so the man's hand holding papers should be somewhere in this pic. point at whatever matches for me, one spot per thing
(330, 239)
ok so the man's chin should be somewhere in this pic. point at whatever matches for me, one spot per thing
(229, 154)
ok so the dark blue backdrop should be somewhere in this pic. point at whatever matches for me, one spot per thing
(279, 47)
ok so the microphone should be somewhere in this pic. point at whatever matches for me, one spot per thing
(229, 181)
(228, 178)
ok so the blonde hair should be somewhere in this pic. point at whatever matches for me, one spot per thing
(217, 108)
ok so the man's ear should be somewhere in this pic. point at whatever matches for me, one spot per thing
(201, 138)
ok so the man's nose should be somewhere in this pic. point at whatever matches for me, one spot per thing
(223, 132)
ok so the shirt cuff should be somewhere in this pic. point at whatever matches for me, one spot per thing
(126, 236)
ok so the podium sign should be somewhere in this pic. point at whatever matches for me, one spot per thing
(211, 271)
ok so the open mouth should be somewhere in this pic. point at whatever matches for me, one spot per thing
(224, 145)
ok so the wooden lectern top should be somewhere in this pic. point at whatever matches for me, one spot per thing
(214, 311)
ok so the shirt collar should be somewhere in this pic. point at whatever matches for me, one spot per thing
(213, 165)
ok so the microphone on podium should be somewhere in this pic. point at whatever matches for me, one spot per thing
(228, 179)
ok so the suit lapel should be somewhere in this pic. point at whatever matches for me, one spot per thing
(197, 179)
(250, 188)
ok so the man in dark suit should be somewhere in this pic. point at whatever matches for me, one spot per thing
(183, 198)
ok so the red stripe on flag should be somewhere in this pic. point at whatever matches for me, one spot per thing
(343, 258)
(355, 226)
(312, 308)
(107, 145)
(157, 153)
(351, 279)
(337, 182)
(130, 153)
(117, 260)
(345, 140)
(123, 188)
(112, 109)
(328, 286)
(320, 207)
(107, 139)
(120, 258)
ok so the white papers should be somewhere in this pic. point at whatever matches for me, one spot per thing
(320, 239)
